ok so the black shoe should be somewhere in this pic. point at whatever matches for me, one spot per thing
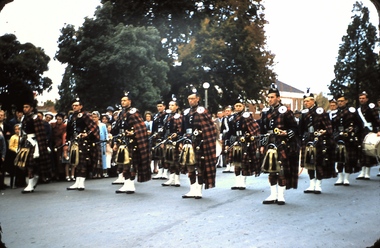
(27, 191)
(235, 188)
(270, 202)
(309, 191)
(317, 192)
(118, 183)
(129, 192)
(360, 178)
(228, 172)
(186, 196)
(72, 188)
(280, 203)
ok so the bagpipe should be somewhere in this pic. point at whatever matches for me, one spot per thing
(157, 149)
(167, 148)
(74, 148)
(347, 134)
(240, 146)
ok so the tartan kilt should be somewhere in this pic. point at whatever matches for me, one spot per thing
(250, 163)
(175, 152)
(38, 165)
(352, 156)
(288, 156)
(95, 155)
(326, 167)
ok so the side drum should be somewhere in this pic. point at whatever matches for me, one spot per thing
(371, 145)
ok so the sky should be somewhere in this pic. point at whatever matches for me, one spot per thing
(304, 35)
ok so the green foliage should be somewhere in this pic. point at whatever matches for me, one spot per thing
(229, 52)
(134, 46)
(106, 60)
(22, 66)
(357, 67)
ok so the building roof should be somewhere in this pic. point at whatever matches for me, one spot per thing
(283, 87)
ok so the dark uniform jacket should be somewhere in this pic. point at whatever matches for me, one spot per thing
(31, 124)
(313, 120)
(246, 131)
(282, 118)
(198, 118)
(129, 119)
(346, 128)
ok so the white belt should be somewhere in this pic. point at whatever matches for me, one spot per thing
(32, 140)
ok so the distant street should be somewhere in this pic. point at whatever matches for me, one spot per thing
(157, 216)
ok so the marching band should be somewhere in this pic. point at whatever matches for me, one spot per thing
(329, 144)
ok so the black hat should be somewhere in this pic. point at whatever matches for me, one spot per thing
(240, 99)
(308, 94)
(190, 89)
(128, 94)
(273, 89)
(297, 112)
(77, 99)
(340, 96)
(363, 94)
(160, 102)
(28, 99)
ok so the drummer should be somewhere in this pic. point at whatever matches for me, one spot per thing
(370, 124)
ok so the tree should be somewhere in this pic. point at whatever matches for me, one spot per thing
(230, 52)
(22, 66)
(106, 60)
(357, 67)
(3, 3)
(219, 41)
(66, 91)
